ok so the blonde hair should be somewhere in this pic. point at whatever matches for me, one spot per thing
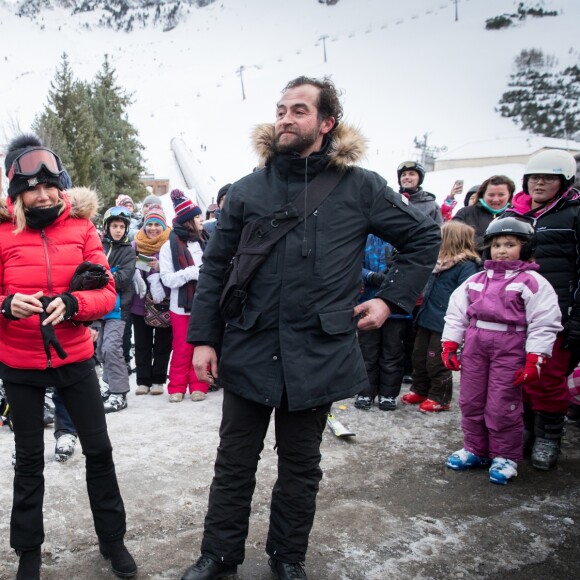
(19, 213)
(457, 239)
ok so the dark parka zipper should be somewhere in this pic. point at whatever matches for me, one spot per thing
(45, 245)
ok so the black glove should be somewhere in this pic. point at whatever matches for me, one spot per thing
(572, 326)
(7, 307)
(375, 279)
(572, 333)
(70, 303)
(89, 276)
(48, 334)
(573, 346)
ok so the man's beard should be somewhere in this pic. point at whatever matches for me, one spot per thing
(298, 144)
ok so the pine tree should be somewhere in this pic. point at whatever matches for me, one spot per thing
(118, 162)
(541, 100)
(67, 123)
(87, 125)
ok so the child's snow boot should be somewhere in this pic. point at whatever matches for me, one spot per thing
(463, 459)
(502, 470)
(545, 453)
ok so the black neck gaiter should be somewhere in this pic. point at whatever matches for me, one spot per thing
(38, 218)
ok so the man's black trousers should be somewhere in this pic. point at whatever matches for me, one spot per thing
(298, 436)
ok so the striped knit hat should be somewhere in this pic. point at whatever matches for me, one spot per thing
(156, 215)
(123, 199)
(185, 209)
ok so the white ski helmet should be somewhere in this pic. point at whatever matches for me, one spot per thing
(553, 162)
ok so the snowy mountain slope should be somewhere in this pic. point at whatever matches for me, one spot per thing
(405, 68)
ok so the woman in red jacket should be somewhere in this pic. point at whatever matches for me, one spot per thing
(44, 235)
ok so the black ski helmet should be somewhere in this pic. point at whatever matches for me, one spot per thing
(471, 191)
(117, 213)
(511, 226)
(411, 166)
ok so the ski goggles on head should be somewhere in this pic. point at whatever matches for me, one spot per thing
(119, 211)
(407, 165)
(32, 161)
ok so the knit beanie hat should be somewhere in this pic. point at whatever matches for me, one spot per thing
(152, 199)
(65, 180)
(222, 192)
(156, 215)
(18, 184)
(123, 199)
(185, 209)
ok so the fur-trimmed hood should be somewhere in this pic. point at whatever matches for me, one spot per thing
(84, 203)
(348, 146)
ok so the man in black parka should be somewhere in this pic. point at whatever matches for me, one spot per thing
(294, 346)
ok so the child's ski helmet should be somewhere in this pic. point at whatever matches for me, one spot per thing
(511, 226)
(119, 212)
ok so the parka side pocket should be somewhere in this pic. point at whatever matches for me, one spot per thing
(246, 320)
(338, 322)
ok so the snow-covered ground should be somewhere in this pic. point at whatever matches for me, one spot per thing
(387, 507)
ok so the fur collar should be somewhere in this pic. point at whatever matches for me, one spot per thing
(84, 203)
(348, 146)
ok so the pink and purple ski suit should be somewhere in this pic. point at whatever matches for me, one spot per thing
(499, 315)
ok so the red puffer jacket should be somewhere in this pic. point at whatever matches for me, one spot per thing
(45, 260)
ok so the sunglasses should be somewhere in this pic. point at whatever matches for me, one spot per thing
(407, 165)
(31, 162)
(545, 178)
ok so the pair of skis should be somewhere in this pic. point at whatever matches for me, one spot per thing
(338, 428)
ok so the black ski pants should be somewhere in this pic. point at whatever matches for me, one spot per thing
(383, 352)
(430, 377)
(293, 505)
(83, 402)
(152, 352)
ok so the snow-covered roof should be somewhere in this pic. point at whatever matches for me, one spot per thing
(508, 147)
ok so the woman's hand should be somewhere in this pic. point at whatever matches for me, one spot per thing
(154, 264)
(56, 311)
(26, 305)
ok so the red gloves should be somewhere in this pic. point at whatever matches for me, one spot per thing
(449, 355)
(530, 373)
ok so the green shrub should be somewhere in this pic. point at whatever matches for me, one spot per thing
(497, 22)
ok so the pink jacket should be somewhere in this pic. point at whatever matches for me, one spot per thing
(506, 292)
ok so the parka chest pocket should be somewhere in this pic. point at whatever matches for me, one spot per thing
(246, 320)
(338, 322)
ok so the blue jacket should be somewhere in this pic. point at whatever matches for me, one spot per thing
(437, 292)
(378, 256)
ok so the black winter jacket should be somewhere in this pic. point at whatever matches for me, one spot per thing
(478, 218)
(426, 203)
(122, 256)
(558, 249)
(297, 332)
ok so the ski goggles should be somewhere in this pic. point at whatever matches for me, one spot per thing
(407, 165)
(118, 211)
(31, 162)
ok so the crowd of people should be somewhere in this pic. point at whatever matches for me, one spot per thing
(408, 288)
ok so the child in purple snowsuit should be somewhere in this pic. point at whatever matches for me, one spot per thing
(507, 318)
